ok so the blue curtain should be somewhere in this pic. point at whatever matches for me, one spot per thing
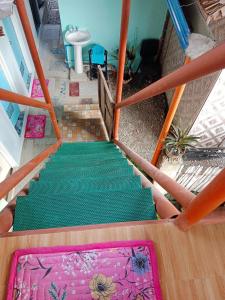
(179, 22)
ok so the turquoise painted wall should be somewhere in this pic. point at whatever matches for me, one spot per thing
(102, 19)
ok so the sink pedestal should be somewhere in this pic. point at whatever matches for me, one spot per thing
(78, 59)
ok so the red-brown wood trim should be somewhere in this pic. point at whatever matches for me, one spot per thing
(85, 227)
(121, 62)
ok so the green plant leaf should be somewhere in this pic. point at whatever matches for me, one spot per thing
(53, 286)
(64, 295)
(179, 139)
(53, 294)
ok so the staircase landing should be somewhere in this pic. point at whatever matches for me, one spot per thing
(191, 264)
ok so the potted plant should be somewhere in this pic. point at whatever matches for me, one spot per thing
(177, 142)
(130, 58)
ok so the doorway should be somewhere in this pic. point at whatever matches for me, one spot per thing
(37, 9)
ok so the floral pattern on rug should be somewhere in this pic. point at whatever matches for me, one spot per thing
(101, 274)
(37, 90)
(35, 127)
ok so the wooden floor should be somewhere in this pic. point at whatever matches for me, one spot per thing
(191, 264)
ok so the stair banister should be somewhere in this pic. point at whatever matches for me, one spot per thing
(23, 100)
(182, 195)
(121, 62)
(9, 183)
(210, 62)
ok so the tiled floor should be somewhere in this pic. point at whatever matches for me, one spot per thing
(78, 116)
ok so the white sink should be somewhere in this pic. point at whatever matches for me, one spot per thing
(79, 39)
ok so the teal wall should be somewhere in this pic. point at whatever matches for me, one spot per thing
(102, 19)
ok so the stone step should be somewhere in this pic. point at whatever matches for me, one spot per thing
(80, 107)
(83, 114)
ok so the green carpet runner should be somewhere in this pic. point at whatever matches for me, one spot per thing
(84, 184)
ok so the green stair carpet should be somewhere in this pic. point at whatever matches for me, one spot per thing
(84, 184)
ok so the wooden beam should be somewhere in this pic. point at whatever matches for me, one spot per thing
(37, 63)
(183, 196)
(23, 100)
(212, 61)
(121, 62)
(9, 183)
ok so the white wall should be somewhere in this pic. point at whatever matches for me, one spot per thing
(210, 123)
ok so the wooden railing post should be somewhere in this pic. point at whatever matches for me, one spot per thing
(121, 63)
(37, 63)
(205, 202)
(179, 91)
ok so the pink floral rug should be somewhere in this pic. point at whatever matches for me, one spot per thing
(37, 90)
(35, 127)
(117, 270)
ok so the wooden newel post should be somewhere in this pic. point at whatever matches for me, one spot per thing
(204, 203)
(121, 63)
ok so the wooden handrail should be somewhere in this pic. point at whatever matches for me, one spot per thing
(212, 61)
(204, 203)
(106, 104)
(105, 85)
(121, 62)
(183, 196)
(37, 63)
(169, 118)
(23, 100)
(165, 209)
(9, 183)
